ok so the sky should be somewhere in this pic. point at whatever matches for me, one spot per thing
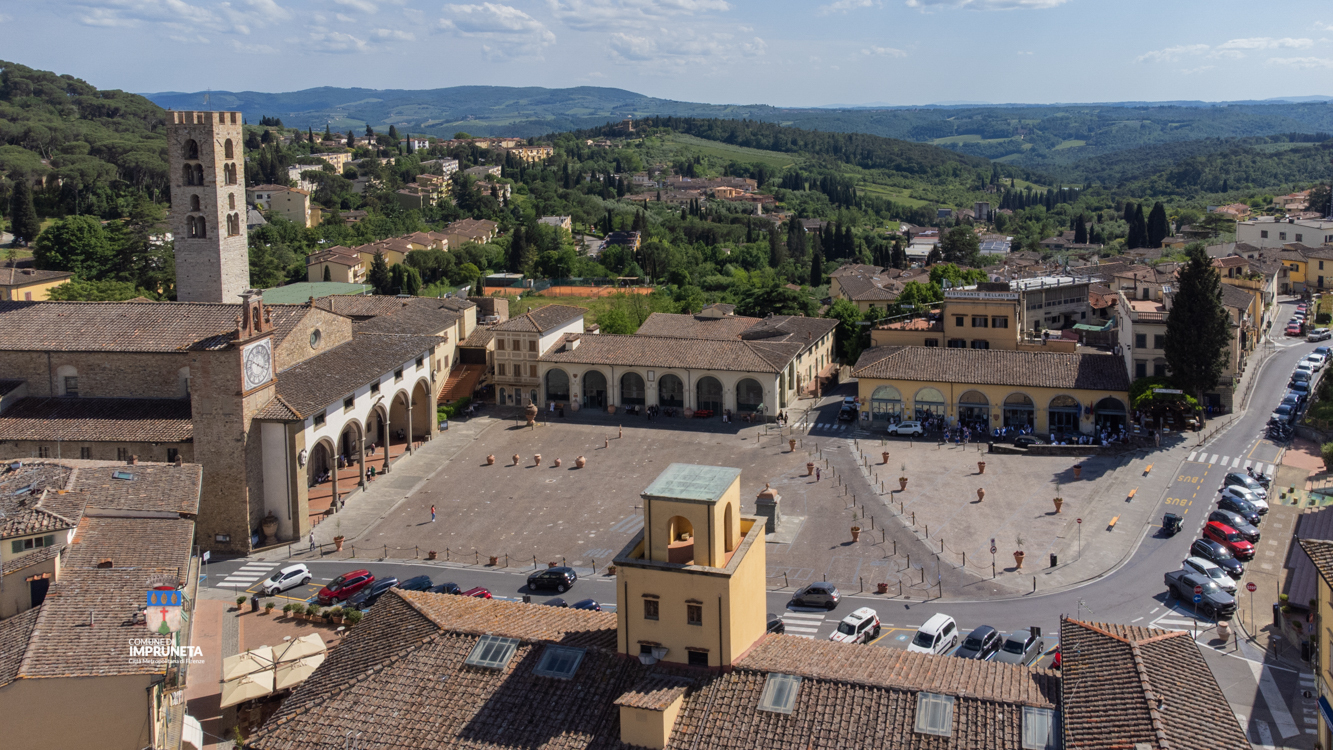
(779, 52)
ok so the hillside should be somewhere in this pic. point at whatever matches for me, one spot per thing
(101, 146)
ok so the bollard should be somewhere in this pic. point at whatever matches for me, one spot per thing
(353, 551)
(964, 560)
(913, 518)
(386, 551)
(863, 585)
(417, 553)
(289, 550)
(477, 556)
(1034, 584)
(909, 559)
(992, 570)
(534, 562)
(941, 544)
(506, 559)
(594, 566)
(923, 574)
(784, 579)
(872, 520)
(446, 554)
(927, 530)
(562, 557)
(895, 547)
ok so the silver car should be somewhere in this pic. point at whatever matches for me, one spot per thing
(1210, 569)
(1021, 647)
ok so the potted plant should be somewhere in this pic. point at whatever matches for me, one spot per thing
(885, 456)
(902, 480)
(352, 617)
(580, 462)
(495, 560)
(312, 613)
(856, 533)
(268, 606)
(791, 445)
(335, 615)
(1059, 501)
(240, 602)
(1078, 470)
(981, 494)
(287, 609)
(809, 468)
(881, 588)
(432, 555)
(338, 538)
(610, 570)
(490, 460)
(1019, 554)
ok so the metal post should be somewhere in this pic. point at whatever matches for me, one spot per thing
(1034, 584)
(784, 579)
(992, 569)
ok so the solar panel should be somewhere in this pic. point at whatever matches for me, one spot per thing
(780, 693)
(934, 714)
(492, 652)
(560, 662)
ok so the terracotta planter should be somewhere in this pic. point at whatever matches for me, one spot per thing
(885, 456)
(557, 463)
(610, 408)
(902, 484)
(490, 460)
(432, 555)
(810, 469)
(791, 445)
(981, 467)
(531, 413)
(856, 533)
(537, 459)
(1078, 470)
(981, 494)
(689, 413)
(1223, 629)
(1018, 559)
(269, 526)
(580, 462)
(336, 620)
(338, 543)
(1059, 501)
(610, 570)
(881, 588)
(316, 618)
(516, 459)
(495, 560)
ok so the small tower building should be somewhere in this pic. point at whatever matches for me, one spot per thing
(207, 168)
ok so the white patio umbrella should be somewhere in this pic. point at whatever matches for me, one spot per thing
(249, 687)
(247, 662)
(299, 648)
(292, 673)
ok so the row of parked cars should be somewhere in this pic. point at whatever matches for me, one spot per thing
(1216, 560)
(361, 589)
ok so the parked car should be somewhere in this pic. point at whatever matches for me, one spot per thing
(938, 635)
(1284, 414)
(1240, 507)
(1293, 399)
(588, 604)
(368, 595)
(1317, 361)
(344, 586)
(1217, 555)
(416, 583)
(478, 592)
(1216, 603)
(775, 624)
(1021, 647)
(1305, 367)
(559, 578)
(849, 401)
(555, 601)
(1248, 531)
(1229, 538)
(1259, 504)
(1325, 351)
(1027, 441)
(817, 594)
(1294, 329)
(911, 428)
(861, 626)
(1237, 479)
(1300, 376)
(1210, 569)
(980, 644)
(847, 414)
(1301, 388)
(446, 588)
(288, 578)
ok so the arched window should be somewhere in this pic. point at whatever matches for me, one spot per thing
(974, 410)
(233, 225)
(930, 403)
(886, 403)
(631, 389)
(194, 203)
(1063, 414)
(1019, 411)
(229, 174)
(198, 174)
(201, 227)
(231, 201)
(227, 150)
(557, 385)
(191, 149)
(708, 394)
(749, 395)
(187, 175)
(670, 391)
(680, 540)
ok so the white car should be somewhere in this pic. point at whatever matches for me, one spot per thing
(861, 626)
(1210, 569)
(937, 636)
(1319, 334)
(288, 578)
(1317, 361)
(1260, 504)
(907, 428)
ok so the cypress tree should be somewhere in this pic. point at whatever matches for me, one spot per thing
(328, 274)
(1141, 227)
(1198, 330)
(1080, 231)
(351, 139)
(518, 250)
(817, 269)
(23, 222)
(777, 250)
(379, 277)
(370, 132)
(393, 133)
(1158, 226)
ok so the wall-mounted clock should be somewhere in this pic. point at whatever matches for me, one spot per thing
(257, 363)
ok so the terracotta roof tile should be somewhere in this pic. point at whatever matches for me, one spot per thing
(11, 276)
(413, 320)
(126, 326)
(130, 420)
(36, 557)
(14, 634)
(1101, 372)
(307, 387)
(139, 543)
(542, 319)
(725, 328)
(160, 488)
(32, 521)
(465, 614)
(655, 351)
(655, 692)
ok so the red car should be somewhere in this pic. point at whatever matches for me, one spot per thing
(1229, 538)
(342, 587)
(1294, 329)
(478, 592)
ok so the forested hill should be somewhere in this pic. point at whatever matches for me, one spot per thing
(102, 145)
(860, 149)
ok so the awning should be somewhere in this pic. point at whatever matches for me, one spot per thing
(249, 687)
(192, 734)
(247, 662)
(299, 648)
(292, 673)
(1086, 327)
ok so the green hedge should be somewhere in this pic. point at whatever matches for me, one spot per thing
(454, 409)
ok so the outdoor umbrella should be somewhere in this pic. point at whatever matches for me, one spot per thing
(247, 662)
(249, 687)
(292, 673)
(299, 648)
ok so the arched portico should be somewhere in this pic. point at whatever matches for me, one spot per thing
(421, 421)
(594, 390)
(670, 391)
(974, 410)
(929, 402)
(886, 403)
(1062, 415)
(1110, 413)
(749, 395)
(377, 434)
(352, 449)
(557, 386)
(708, 394)
(632, 390)
(1019, 411)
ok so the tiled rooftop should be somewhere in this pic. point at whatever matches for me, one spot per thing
(316, 383)
(1102, 372)
(663, 352)
(542, 319)
(126, 420)
(127, 326)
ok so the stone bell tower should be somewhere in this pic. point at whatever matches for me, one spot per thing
(207, 166)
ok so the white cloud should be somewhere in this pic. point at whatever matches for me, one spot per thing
(365, 6)
(883, 52)
(987, 4)
(621, 15)
(842, 6)
(335, 42)
(394, 35)
(253, 49)
(496, 21)
(125, 13)
(1025, 52)
(1266, 42)
(1303, 63)
(1171, 54)
(684, 48)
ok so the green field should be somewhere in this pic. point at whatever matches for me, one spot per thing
(969, 138)
(897, 195)
(1071, 143)
(774, 159)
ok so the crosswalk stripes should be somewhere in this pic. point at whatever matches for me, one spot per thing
(802, 624)
(1232, 462)
(628, 525)
(828, 426)
(246, 575)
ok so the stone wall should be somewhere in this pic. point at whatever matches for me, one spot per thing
(333, 330)
(101, 374)
(214, 267)
(98, 451)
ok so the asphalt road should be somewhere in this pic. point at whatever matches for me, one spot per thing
(1133, 594)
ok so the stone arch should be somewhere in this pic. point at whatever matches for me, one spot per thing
(1019, 410)
(680, 540)
(1062, 414)
(191, 149)
(229, 173)
(749, 395)
(886, 403)
(929, 402)
(399, 409)
(377, 434)
(198, 173)
(1109, 413)
(320, 462)
(729, 528)
(231, 201)
(187, 175)
(67, 381)
(422, 410)
(974, 409)
(556, 382)
(228, 151)
(632, 389)
(594, 389)
(708, 394)
(194, 203)
(670, 391)
(183, 379)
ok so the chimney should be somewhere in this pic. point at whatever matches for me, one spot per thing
(134, 460)
(178, 459)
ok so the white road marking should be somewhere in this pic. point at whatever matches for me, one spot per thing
(1192, 455)
(1235, 462)
(794, 629)
(1265, 734)
(1214, 459)
(803, 616)
(1273, 697)
(1136, 619)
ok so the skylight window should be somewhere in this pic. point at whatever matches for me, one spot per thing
(492, 652)
(780, 693)
(1039, 729)
(127, 475)
(934, 714)
(560, 662)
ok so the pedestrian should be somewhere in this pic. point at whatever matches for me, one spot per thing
(312, 540)
(432, 514)
(817, 475)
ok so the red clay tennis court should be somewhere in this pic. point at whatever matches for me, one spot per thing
(593, 291)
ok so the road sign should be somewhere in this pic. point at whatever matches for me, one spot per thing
(1198, 598)
(1198, 590)
(1080, 520)
(1250, 587)
(993, 549)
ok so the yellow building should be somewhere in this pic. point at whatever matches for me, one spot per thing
(1320, 553)
(690, 585)
(970, 320)
(1049, 392)
(338, 263)
(29, 284)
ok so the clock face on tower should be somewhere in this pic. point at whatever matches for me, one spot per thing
(257, 364)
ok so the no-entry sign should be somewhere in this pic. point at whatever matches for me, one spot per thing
(1250, 587)
(1080, 520)
(1198, 589)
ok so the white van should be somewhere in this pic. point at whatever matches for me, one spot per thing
(938, 635)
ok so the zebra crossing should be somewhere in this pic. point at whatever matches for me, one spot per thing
(1232, 462)
(829, 426)
(802, 624)
(246, 575)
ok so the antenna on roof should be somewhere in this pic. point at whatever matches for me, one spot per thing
(207, 95)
